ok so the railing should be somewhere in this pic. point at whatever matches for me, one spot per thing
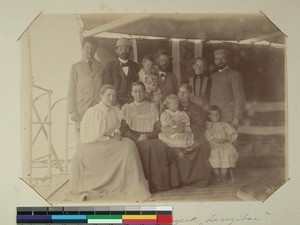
(47, 131)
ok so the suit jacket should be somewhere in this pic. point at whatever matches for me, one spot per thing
(84, 86)
(114, 75)
(202, 97)
(227, 92)
(167, 86)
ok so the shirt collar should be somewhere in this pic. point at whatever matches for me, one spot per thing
(123, 61)
(104, 106)
(87, 61)
(223, 69)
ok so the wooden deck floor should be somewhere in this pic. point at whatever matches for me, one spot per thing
(215, 192)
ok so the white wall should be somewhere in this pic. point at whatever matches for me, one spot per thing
(55, 46)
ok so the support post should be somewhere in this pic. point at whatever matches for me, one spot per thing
(176, 59)
(26, 108)
(49, 138)
(134, 50)
(198, 48)
(66, 140)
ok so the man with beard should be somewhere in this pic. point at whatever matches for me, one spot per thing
(85, 82)
(200, 82)
(167, 81)
(227, 91)
(122, 72)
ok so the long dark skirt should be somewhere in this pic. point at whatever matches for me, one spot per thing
(165, 169)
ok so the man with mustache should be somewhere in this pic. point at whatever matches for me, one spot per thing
(85, 82)
(227, 91)
(166, 81)
(122, 72)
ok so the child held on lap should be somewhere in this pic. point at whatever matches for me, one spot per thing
(176, 131)
(220, 136)
(149, 79)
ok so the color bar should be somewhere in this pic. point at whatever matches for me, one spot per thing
(139, 221)
(164, 219)
(104, 221)
(33, 218)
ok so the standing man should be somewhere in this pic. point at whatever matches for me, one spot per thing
(85, 82)
(227, 91)
(201, 83)
(167, 81)
(122, 72)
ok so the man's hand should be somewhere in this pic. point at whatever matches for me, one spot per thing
(75, 116)
(235, 123)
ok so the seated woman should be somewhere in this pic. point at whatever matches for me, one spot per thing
(139, 115)
(165, 169)
(140, 120)
(106, 165)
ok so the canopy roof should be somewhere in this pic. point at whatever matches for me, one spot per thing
(208, 27)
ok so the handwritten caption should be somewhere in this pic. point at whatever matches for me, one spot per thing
(217, 219)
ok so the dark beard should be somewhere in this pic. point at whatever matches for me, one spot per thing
(221, 66)
(163, 69)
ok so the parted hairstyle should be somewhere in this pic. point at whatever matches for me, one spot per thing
(187, 86)
(106, 87)
(91, 40)
(138, 83)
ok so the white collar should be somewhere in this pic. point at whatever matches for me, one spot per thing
(223, 69)
(123, 61)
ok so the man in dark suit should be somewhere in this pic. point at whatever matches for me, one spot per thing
(166, 81)
(122, 72)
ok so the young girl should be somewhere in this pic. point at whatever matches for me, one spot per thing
(220, 136)
(149, 79)
(176, 131)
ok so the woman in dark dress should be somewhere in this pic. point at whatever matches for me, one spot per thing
(163, 169)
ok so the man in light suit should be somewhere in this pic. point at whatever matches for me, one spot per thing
(227, 90)
(85, 82)
(122, 72)
(167, 81)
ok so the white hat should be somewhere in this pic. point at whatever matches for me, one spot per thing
(123, 41)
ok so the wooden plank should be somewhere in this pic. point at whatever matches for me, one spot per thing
(262, 37)
(115, 24)
(259, 130)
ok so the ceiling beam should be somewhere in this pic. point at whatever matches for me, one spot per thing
(261, 37)
(115, 24)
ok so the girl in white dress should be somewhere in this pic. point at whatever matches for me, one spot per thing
(220, 136)
(175, 130)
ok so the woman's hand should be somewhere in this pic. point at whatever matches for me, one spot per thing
(116, 137)
(142, 137)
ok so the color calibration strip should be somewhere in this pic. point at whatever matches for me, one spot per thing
(152, 215)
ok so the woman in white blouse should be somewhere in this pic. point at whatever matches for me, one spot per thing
(106, 165)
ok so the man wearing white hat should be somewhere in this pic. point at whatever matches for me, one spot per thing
(122, 72)
(227, 91)
(85, 82)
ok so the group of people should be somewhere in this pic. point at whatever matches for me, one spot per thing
(138, 132)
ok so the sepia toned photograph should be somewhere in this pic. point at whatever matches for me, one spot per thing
(153, 107)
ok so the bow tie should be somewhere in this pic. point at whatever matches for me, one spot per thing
(124, 64)
(162, 74)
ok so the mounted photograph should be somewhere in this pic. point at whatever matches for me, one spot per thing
(150, 108)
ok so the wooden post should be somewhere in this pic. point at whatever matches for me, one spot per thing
(26, 108)
(134, 50)
(198, 48)
(176, 59)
